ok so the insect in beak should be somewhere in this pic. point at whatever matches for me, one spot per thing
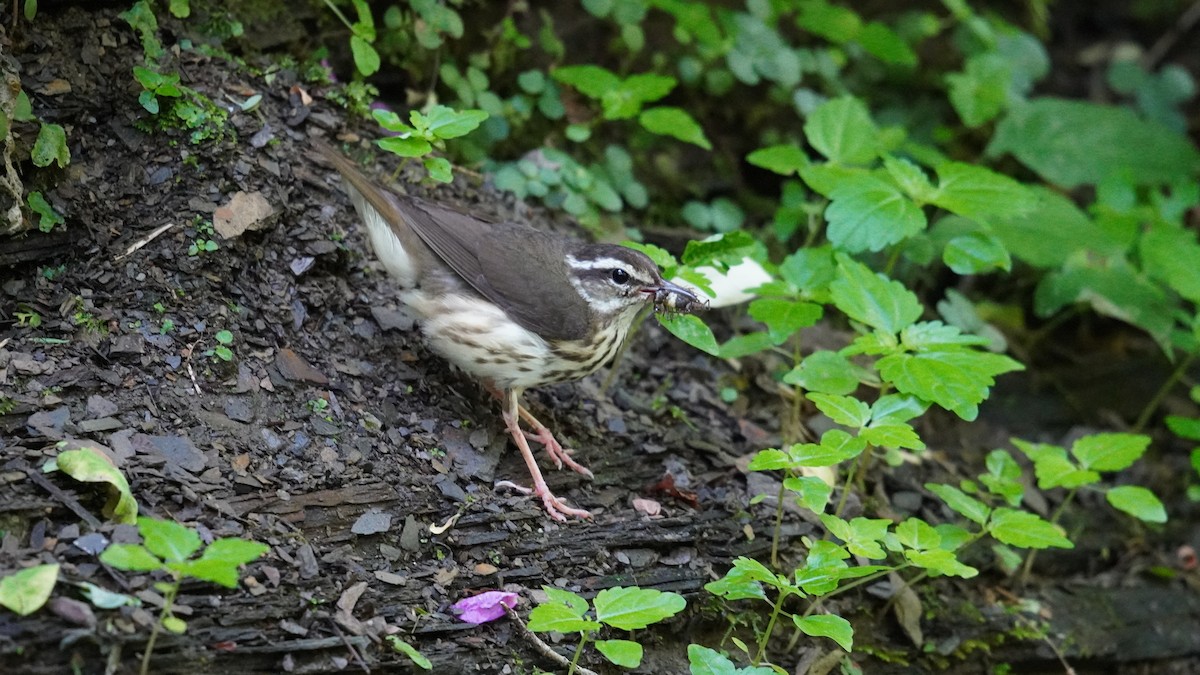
(674, 299)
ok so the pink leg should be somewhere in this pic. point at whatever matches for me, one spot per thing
(541, 433)
(555, 506)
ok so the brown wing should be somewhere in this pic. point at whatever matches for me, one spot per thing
(521, 269)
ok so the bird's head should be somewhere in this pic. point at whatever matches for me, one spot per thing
(617, 282)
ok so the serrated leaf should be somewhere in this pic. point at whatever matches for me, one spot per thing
(1026, 530)
(25, 592)
(168, 539)
(632, 608)
(705, 661)
(941, 562)
(980, 92)
(1109, 452)
(873, 299)
(843, 410)
(771, 459)
(827, 625)
(624, 653)
(842, 130)
(978, 193)
(870, 214)
(909, 177)
(692, 330)
(892, 435)
(554, 616)
(976, 253)
(966, 506)
(917, 534)
(836, 446)
(827, 372)
(956, 380)
(811, 492)
(131, 558)
(1053, 468)
(1138, 502)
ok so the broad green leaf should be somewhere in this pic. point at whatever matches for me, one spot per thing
(591, 81)
(1184, 427)
(941, 562)
(1109, 452)
(131, 558)
(935, 336)
(692, 330)
(836, 446)
(633, 608)
(366, 59)
(554, 616)
(895, 408)
(446, 122)
(1172, 255)
(51, 147)
(674, 122)
(743, 345)
(1138, 502)
(438, 169)
(405, 147)
(843, 410)
(957, 380)
(826, 371)
(975, 254)
(705, 661)
(978, 193)
(89, 465)
(1073, 143)
(1112, 288)
(809, 269)
(869, 214)
(910, 178)
(168, 539)
(102, 598)
(771, 459)
(811, 492)
(966, 506)
(827, 625)
(402, 647)
(577, 604)
(174, 624)
(833, 22)
(1053, 468)
(1047, 235)
(627, 98)
(25, 592)
(842, 130)
(917, 534)
(980, 91)
(785, 159)
(729, 248)
(892, 435)
(1003, 478)
(823, 569)
(873, 299)
(624, 653)
(886, 45)
(1026, 530)
(862, 535)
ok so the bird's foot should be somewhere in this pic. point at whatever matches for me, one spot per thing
(555, 506)
(558, 454)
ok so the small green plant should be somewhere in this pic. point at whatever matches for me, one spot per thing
(27, 317)
(223, 350)
(362, 38)
(26, 591)
(52, 273)
(203, 243)
(166, 326)
(628, 608)
(426, 131)
(317, 405)
(401, 647)
(47, 216)
(169, 548)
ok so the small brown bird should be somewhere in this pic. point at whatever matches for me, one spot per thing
(511, 305)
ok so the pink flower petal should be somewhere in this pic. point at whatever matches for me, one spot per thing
(484, 607)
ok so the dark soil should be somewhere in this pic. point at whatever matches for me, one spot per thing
(337, 438)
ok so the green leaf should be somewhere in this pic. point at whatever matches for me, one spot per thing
(624, 653)
(1172, 255)
(941, 562)
(674, 122)
(827, 372)
(89, 465)
(692, 330)
(233, 551)
(401, 647)
(909, 177)
(1109, 452)
(591, 81)
(978, 193)
(180, 9)
(827, 625)
(168, 539)
(1026, 530)
(869, 214)
(956, 380)
(980, 92)
(968, 507)
(917, 534)
(51, 147)
(1053, 468)
(102, 598)
(862, 535)
(577, 604)
(1004, 477)
(401, 146)
(771, 459)
(892, 435)
(809, 269)
(131, 558)
(976, 253)
(633, 608)
(873, 299)
(366, 59)
(842, 130)
(843, 410)
(439, 169)
(1072, 143)
(785, 159)
(1138, 502)
(445, 122)
(886, 45)
(1184, 427)
(1027, 237)
(25, 592)
(811, 492)
(705, 661)
(784, 317)
(836, 446)
(174, 624)
(554, 616)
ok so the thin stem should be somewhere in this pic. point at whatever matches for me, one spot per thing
(1027, 566)
(762, 640)
(578, 653)
(778, 527)
(1147, 412)
(168, 600)
(338, 12)
(855, 471)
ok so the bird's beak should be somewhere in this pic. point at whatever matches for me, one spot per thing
(673, 298)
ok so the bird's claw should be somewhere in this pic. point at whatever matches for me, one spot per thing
(556, 508)
(558, 454)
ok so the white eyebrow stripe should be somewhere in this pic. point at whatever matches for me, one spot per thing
(598, 263)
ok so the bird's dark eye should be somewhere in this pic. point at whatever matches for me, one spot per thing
(620, 276)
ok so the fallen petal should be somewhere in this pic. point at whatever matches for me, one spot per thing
(484, 607)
